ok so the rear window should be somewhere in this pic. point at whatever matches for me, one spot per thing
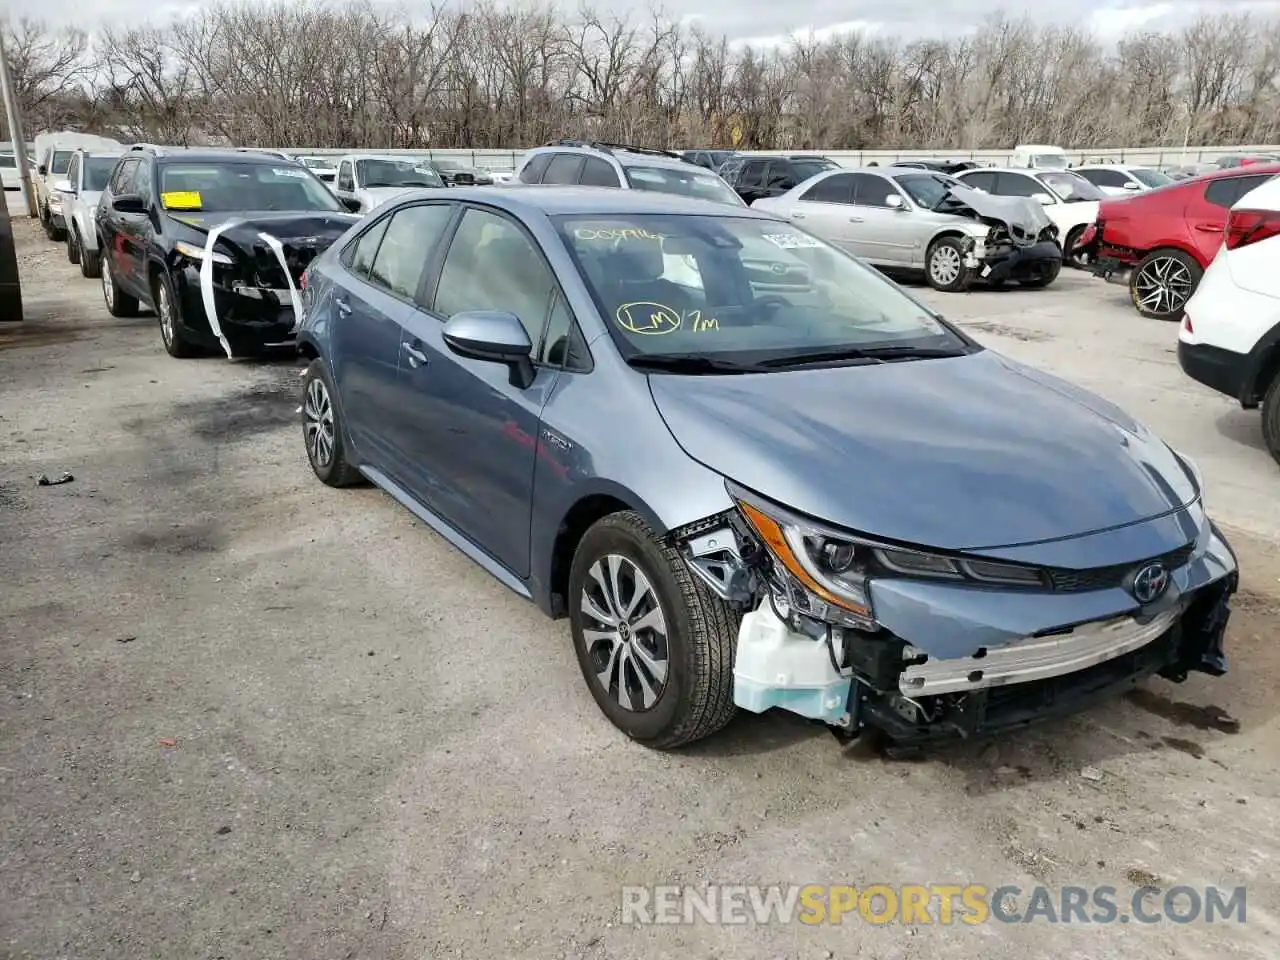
(804, 169)
(688, 182)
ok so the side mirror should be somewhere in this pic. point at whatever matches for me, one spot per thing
(894, 202)
(42, 169)
(64, 186)
(1043, 198)
(129, 203)
(351, 203)
(1131, 185)
(493, 335)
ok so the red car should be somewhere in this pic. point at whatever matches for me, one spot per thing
(1160, 241)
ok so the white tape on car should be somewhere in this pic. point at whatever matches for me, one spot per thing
(294, 296)
(206, 284)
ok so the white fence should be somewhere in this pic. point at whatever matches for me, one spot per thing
(503, 161)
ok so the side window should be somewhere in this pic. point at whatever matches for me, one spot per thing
(123, 183)
(980, 181)
(598, 173)
(407, 244)
(780, 175)
(358, 257)
(345, 180)
(836, 189)
(492, 265)
(1017, 185)
(563, 168)
(1104, 178)
(142, 180)
(870, 190)
(563, 345)
(533, 170)
(1225, 192)
(752, 174)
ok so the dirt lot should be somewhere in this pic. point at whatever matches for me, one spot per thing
(247, 716)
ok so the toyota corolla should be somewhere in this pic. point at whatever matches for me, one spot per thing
(751, 471)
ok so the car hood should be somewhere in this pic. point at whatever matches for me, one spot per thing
(964, 453)
(380, 195)
(302, 236)
(1022, 216)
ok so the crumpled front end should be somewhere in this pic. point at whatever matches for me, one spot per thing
(242, 288)
(924, 645)
(1021, 242)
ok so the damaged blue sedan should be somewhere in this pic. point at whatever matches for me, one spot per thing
(751, 471)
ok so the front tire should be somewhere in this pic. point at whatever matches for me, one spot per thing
(73, 246)
(1163, 282)
(1039, 283)
(944, 266)
(1072, 258)
(322, 431)
(655, 647)
(90, 263)
(172, 332)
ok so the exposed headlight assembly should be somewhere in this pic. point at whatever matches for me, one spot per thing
(832, 568)
(192, 252)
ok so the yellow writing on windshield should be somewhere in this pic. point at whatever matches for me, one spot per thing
(181, 200)
(648, 319)
(698, 323)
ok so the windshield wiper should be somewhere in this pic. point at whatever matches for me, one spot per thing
(862, 354)
(687, 363)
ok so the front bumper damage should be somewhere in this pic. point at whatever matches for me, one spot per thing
(243, 294)
(944, 659)
(1021, 242)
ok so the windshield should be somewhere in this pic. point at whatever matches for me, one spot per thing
(1071, 187)
(97, 171)
(738, 290)
(1152, 178)
(1051, 160)
(448, 165)
(232, 186)
(61, 160)
(926, 189)
(688, 181)
(396, 173)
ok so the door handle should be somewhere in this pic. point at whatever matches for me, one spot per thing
(1209, 227)
(416, 357)
(855, 219)
(344, 308)
(797, 215)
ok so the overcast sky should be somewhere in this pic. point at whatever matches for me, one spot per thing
(770, 21)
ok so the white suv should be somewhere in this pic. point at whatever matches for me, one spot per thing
(1230, 336)
(599, 164)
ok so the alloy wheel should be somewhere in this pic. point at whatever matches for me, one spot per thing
(108, 284)
(625, 632)
(1163, 286)
(944, 265)
(317, 412)
(166, 315)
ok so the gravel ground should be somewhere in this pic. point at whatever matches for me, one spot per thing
(245, 715)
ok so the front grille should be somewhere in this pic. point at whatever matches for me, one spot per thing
(1103, 578)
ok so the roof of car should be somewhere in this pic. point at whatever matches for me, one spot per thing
(628, 158)
(574, 200)
(205, 154)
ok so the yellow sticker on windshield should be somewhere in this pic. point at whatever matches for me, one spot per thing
(647, 318)
(181, 200)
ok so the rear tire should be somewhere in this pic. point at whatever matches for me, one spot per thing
(1271, 418)
(1163, 282)
(656, 638)
(323, 431)
(119, 303)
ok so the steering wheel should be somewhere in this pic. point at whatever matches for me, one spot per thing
(768, 304)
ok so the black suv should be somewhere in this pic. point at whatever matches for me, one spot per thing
(756, 177)
(216, 242)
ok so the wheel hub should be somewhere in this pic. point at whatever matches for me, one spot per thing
(625, 632)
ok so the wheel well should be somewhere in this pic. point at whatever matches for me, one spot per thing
(307, 349)
(577, 521)
(153, 276)
(1267, 371)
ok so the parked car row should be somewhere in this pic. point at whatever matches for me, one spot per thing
(472, 349)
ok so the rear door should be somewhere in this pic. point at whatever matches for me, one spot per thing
(385, 266)
(475, 435)
(825, 209)
(1207, 210)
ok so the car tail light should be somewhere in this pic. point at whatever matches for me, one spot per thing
(1249, 226)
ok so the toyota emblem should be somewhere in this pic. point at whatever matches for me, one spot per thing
(1150, 583)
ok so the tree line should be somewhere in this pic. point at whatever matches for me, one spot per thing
(354, 74)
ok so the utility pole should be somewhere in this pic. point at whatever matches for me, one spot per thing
(16, 135)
